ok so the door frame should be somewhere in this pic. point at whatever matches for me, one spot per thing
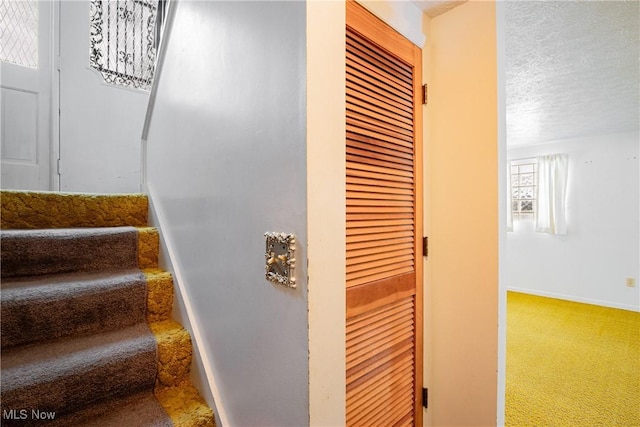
(55, 95)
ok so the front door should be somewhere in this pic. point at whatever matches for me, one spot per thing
(25, 80)
(384, 224)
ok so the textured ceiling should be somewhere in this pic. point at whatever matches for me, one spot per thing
(572, 69)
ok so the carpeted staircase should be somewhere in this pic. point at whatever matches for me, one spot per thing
(87, 335)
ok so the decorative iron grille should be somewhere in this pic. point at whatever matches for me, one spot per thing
(19, 32)
(123, 41)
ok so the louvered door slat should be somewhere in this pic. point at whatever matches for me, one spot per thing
(378, 210)
(360, 270)
(380, 222)
(362, 127)
(379, 394)
(407, 421)
(373, 231)
(360, 90)
(386, 61)
(369, 326)
(370, 118)
(375, 72)
(387, 160)
(374, 85)
(361, 252)
(377, 203)
(379, 215)
(387, 405)
(361, 169)
(365, 100)
(389, 66)
(365, 386)
(391, 410)
(370, 161)
(380, 237)
(387, 269)
(383, 360)
(360, 110)
(367, 188)
(382, 205)
(351, 127)
(357, 247)
(390, 338)
(360, 141)
(401, 149)
(355, 262)
(381, 183)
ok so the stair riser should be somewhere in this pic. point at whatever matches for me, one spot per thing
(159, 295)
(148, 247)
(31, 210)
(174, 353)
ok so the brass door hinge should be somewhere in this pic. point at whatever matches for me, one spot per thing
(425, 94)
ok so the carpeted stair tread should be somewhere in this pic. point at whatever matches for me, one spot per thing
(122, 362)
(56, 251)
(38, 209)
(70, 374)
(42, 308)
(141, 409)
(184, 406)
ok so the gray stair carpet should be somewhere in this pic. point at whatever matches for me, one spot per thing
(76, 348)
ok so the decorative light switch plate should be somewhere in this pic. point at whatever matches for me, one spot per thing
(279, 257)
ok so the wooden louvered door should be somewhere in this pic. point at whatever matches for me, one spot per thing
(384, 224)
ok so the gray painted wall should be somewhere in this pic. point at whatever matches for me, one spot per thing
(226, 162)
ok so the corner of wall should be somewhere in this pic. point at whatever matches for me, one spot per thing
(326, 211)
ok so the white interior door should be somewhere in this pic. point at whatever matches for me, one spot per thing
(25, 80)
(101, 123)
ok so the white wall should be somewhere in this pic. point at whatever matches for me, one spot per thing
(100, 123)
(226, 162)
(602, 246)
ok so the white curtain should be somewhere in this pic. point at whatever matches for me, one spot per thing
(551, 212)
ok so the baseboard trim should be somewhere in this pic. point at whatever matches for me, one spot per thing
(184, 312)
(574, 298)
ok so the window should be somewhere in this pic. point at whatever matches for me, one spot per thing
(523, 188)
(124, 38)
(19, 32)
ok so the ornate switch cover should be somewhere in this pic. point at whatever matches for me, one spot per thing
(279, 257)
